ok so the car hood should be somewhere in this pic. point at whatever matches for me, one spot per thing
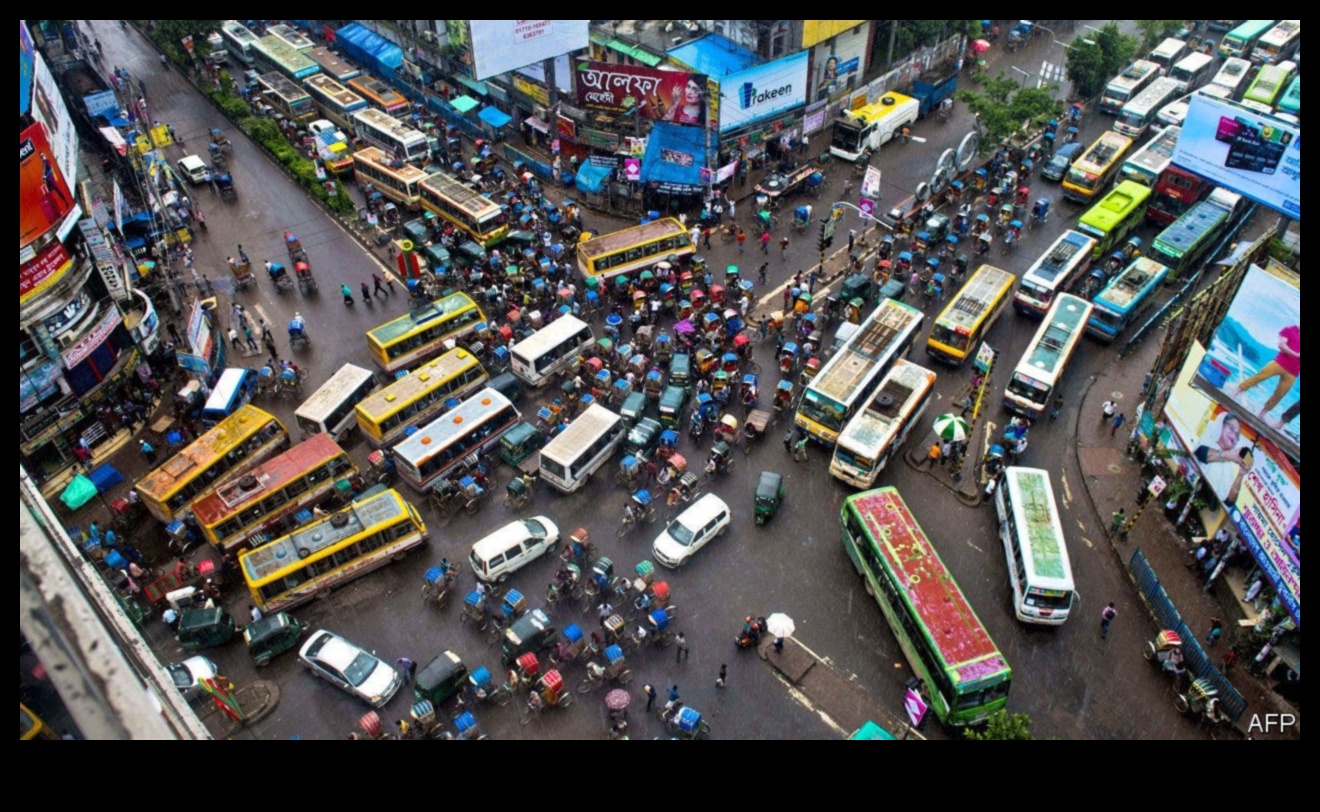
(381, 683)
(667, 549)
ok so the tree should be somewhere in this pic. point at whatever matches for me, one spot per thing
(1153, 32)
(1085, 67)
(1002, 106)
(1118, 49)
(1004, 726)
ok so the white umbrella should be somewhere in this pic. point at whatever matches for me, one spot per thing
(780, 625)
(951, 427)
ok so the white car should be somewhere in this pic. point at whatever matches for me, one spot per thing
(512, 547)
(188, 675)
(351, 668)
(691, 530)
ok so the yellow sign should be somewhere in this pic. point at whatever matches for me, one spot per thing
(160, 136)
(814, 31)
(531, 90)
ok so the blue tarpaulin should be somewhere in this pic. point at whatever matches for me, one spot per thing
(365, 46)
(592, 178)
(494, 116)
(675, 156)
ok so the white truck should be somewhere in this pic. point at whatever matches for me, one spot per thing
(331, 146)
(857, 132)
(216, 52)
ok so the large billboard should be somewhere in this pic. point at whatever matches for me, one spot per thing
(499, 46)
(1259, 487)
(1250, 153)
(43, 195)
(678, 97)
(762, 91)
(1254, 362)
(48, 107)
(814, 31)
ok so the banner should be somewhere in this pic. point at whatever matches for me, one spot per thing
(78, 353)
(678, 97)
(500, 46)
(1256, 155)
(43, 270)
(763, 91)
(43, 195)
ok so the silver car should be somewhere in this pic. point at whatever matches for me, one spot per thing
(188, 675)
(350, 667)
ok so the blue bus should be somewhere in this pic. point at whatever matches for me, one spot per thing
(1124, 298)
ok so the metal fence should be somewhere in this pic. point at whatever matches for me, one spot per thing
(1167, 616)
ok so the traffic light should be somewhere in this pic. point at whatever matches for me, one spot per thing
(826, 238)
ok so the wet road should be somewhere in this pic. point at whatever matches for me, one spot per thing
(1071, 683)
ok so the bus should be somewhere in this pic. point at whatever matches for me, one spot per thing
(1035, 550)
(1176, 191)
(1093, 169)
(877, 432)
(401, 183)
(1062, 264)
(1291, 103)
(942, 638)
(633, 249)
(330, 408)
(290, 99)
(1115, 216)
(1232, 77)
(970, 315)
(420, 396)
(1192, 71)
(379, 95)
(236, 444)
(269, 497)
(270, 53)
(1125, 86)
(454, 439)
(550, 349)
(239, 40)
(1223, 25)
(845, 383)
(424, 332)
(481, 218)
(335, 101)
(370, 533)
(290, 36)
(1241, 41)
(394, 138)
(1124, 298)
(1267, 87)
(332, 66)
(1183, 245)
(1138, 114)
(1279, 43)
(1036, 378)
(1148, 163)
(577, 451)
(1167, 53)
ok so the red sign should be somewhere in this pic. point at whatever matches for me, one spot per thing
(42, 271)
(661, 95)
(43, 196)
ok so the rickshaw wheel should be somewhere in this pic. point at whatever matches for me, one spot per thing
(1181, 704)
(492, 635)
(470, 508)
(586, 685)
(625, 677)
(565, 699)
(464, 615)
(442, 600)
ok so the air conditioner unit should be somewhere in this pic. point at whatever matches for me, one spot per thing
(541, 113)
(68, 339)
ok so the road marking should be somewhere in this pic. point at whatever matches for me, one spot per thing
(974, 547)
(1087, 542)
(1067, 491)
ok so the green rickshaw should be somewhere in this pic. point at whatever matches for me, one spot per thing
(441, 679)
(634, 406)
(520, 442)
(680, 369)
(533, 632)
(203, 628)
(672, 403)
(856, 286)
(272, 635)
(769, 493)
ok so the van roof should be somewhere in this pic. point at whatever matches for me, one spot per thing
(500, 539)
(192, 162)
(701, 511)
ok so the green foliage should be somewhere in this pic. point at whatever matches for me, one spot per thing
(913, 34)
(1118, 49)
(168, 36)
(1091, 63)
(1002, 105)
(1003, 726)
(1153, 32)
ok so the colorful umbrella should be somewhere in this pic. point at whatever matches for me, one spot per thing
(980, 46)
(951, 427)
(617, 699)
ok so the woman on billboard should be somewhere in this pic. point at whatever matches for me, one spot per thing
(689, 103)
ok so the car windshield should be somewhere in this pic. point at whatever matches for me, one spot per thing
(183, 678)
(361, 668)
(680, 533)
(535, 528)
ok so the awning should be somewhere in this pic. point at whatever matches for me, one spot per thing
(592, 178)
(494, 116)
(675, 156)
(463, 104)
(471, 84)
(627, 49)
(368, 47)
(537, 124)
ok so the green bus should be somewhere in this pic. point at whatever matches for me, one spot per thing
(1291, 103)
(1242, 40)
(1113, 218)
(1182, 246)
(942, 638)
(1268, 86)
(270, 53)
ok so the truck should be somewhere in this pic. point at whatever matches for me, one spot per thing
(860, 132)
(216, 52)
(933, 87)
(331, 146)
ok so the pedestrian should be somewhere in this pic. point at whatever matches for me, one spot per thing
(1117, 423)
(852, 239)
(649, 690)
(724, 673)
(788, 441)
(233, 338)
(946, 451)
(406, 667)
(270, 348)
(1058, 407)
(379, 289)
(800, 449)
(705, 238)
(1107, 616)
(1108, 410)
(811, 282)
(779, 645)
(733, 209)
(389, 283)
(604, 610)
(695, 233)
(1117, 520)
(680, 647)
(934, 454)
(765, 269)
(742, 239)
(251, 339)
(1227, 660)
(673, 694)
(783, 248)
(765, 242)
(242, 255)
(1216, 631)
(366, 293)
(147, 451)
(347, 292)
(174, 333)
(254, 613)
(265, 329)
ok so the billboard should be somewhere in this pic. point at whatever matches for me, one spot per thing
(1253, 154)
(26, 53)
(48, 108)
(43, 196)
(763, 91)
(499, 46)
(814, 31)
(1259, 487)
(678, 97)
(1254, 363)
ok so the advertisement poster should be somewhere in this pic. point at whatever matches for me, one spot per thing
(1253, 154)
(500, 46)
(43, 195)
(43, 270)
(1254, 362)
(678, 97)
(763, 91)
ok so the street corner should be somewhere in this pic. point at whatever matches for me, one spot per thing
(793, 660)
(256, 700)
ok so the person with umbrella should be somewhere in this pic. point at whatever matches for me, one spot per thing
(780, 625)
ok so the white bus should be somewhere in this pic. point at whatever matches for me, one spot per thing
(1192, 71)
(457, 437)
(877, 433)
(1167, 53)
(330, 408)
(1057, 270)
(1036, 378)
(1034, 547)
(577, 451)
(1149, 162)
(1138, 114)
(1125, 86)
(1279, 43)
(1232, 77)
(550, 349)
(394, 138)
(239, 40)
(291, 37)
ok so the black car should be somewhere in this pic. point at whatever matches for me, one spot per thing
(1057, 166)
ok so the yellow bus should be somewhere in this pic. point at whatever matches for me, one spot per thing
(347, 544)
(416, 336)
(271, 496)
(1092, 171)
(970, 315)
(379, 95)
(419, 396)
(399, 183)
(481, 218)
(335, 101)
(633, 249)
(236, 444)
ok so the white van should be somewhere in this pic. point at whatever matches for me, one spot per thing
(194, 169)
(512, 547)
(704, 519)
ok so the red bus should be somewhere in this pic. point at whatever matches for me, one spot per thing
(1176, 191)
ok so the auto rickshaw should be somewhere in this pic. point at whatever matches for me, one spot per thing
(530, 633)
(643, 437)
(272, 635)
(631, 473)
(719, 386)
(721, 459)
(441, 679)
(680, 370)
(769, 493)
(1202, 699)
(809, 370)
(203, 628)
(894, 289)
(668, 444)
(633, 407)
(856, 286)
(519, 443)
(663, 348)
(672, 403)
(788, 358)
(621, 389)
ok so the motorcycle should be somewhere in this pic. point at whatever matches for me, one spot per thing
(750, 636)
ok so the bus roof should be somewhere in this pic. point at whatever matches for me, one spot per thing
(290, 35)
(332, 65)
(1065, 320)
(561, 329)
(285, 55)
(953, 628)
(1156, 94)
(239, 31)
(584, 430)
(975, 298)
(1190, 228)
(434, 435)
(341, 95)
(277, 470)
(282, 86)
(1031, 492)
(1157, 153)
(1281, 33)
(218, 441)
(1133, 74)
(1249, 29)
(901, 388)
(370, 86)
(270, 559)
(646, 232)
(858, 360)
(473, 202)
(327, 398)
(405, 324)
(405, 389)
(375, 156)
(1101, 153)
(1061, 258)
(1140, 275)
(1116, 205)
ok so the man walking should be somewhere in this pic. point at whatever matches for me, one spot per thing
(1117, 423)
(765, 269)
(680, 648)
(379, 290)
(733, 209)
(742, 239)
(233, 338)
(724, 673)
(406, 667)
(251, 339)
(1109, 408)
(765, 242)
(788, 441)
(811, 282)
(147, 451)
(800, 449)
(1107, 616)
(649, 690)
(1117, 521)
(783, 248)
